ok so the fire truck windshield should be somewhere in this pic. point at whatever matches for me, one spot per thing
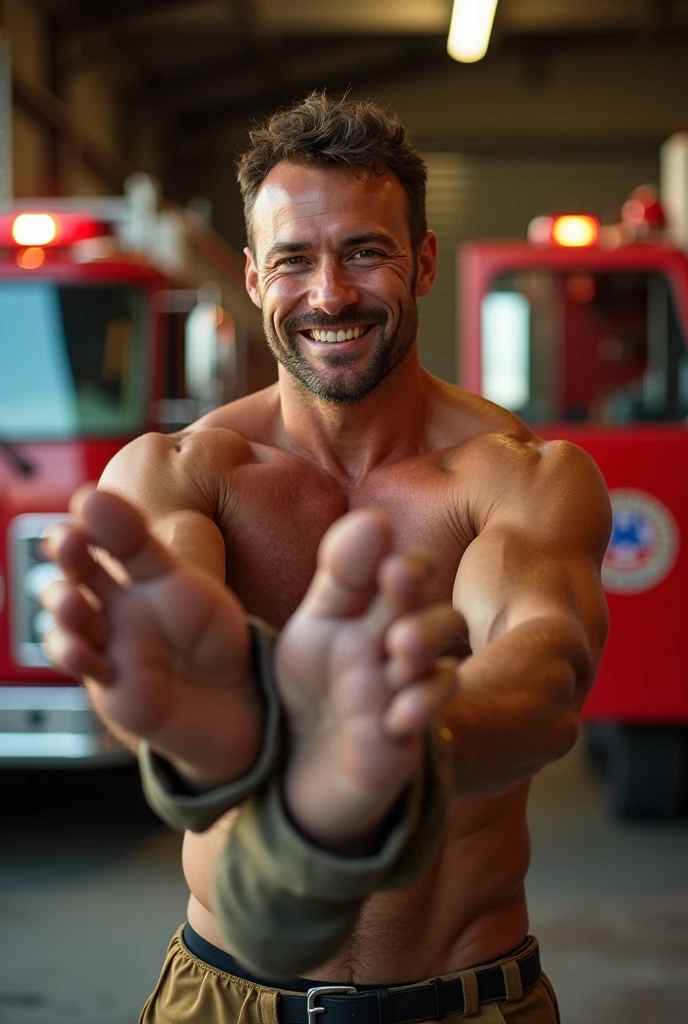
(71, 360)
(602, 347)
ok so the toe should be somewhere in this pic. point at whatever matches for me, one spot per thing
(348, 561)
(114, 524)
(419, 706)
(414, 641)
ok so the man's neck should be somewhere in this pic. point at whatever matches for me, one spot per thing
(351, 439)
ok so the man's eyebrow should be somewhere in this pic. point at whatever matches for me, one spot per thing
(364, 238)
(381, 237)
(284, 248)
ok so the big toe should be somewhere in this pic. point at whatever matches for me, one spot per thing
(349, 557)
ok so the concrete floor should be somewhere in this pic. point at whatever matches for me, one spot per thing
(91, 889)
(609, 902)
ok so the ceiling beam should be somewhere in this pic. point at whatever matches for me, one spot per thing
(89, 15)
(264, 47)
(657, 16)
(412, 57)
(165, 86)
(178, 90)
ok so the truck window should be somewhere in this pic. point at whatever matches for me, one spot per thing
(71, 360)
(598, 348)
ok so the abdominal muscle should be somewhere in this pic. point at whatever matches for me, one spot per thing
(468, 906)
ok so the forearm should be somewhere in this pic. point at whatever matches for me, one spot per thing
(285, 905)
(517, 705)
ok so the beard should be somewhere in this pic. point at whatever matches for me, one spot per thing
(338, 378)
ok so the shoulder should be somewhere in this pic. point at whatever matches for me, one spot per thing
(503, 450)
(510, 462)
(549, 488)
(185, 448)
(459, 416)
(165, 472)
(508, 476)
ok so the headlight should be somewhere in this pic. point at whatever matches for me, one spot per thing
(43, 622)
(31, 574)
(39, 577)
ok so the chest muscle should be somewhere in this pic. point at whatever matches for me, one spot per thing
(279, 514)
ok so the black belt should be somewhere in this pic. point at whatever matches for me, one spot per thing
(397, 1006)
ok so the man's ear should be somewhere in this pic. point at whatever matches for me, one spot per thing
(251, 277)
(427, 264)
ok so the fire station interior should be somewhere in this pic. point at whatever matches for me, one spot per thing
(558, 190)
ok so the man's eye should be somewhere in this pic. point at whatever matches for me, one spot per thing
(291, 261)
(366, 254)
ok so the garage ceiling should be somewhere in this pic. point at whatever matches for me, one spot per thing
(206, 61)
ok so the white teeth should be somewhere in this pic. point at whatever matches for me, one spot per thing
(341, 335)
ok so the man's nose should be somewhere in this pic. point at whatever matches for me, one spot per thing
(331, 288)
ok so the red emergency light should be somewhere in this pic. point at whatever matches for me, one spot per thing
(44, 229)
(571, 230)
(643, 211)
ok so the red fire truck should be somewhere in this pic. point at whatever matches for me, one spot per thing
(583, 331)
(116, 317)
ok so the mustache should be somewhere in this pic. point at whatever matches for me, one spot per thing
(349, 318)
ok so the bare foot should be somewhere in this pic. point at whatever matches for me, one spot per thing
(361, 677)
(165, 655)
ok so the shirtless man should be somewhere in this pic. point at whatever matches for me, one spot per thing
(338, 254)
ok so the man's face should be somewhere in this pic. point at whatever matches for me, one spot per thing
(334, 272)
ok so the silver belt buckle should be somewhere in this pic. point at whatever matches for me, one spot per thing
(324, 990)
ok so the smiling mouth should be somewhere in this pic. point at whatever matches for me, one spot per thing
(330, 335)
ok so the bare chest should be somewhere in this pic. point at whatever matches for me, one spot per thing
(278, 513)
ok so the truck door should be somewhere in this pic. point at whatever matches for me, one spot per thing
(599, 356)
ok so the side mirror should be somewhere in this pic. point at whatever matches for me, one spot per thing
(210, 352)
(202, 350)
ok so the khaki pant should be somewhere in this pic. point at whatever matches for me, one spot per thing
(192, 992)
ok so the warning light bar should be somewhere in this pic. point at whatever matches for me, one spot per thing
(34, 229)
(569, 230)
(47, 229)
(575, 230)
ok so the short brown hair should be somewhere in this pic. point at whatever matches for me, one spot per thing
(322, 130)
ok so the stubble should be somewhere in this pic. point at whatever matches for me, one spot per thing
(337, 377)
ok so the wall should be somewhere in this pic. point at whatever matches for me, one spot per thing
(530, 128)
(520, 133)
(73, 129)
(23, 29)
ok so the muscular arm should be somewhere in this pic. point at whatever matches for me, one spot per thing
(171, 479)
(157, 474)
(164, 651)
(529, 589)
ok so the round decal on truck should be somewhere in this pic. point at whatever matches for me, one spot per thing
(643, 546)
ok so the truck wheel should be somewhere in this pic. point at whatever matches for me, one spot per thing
(648, 771)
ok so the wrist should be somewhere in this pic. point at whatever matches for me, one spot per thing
(336, 813)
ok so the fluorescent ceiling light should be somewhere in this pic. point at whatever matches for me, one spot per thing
(470, 28)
